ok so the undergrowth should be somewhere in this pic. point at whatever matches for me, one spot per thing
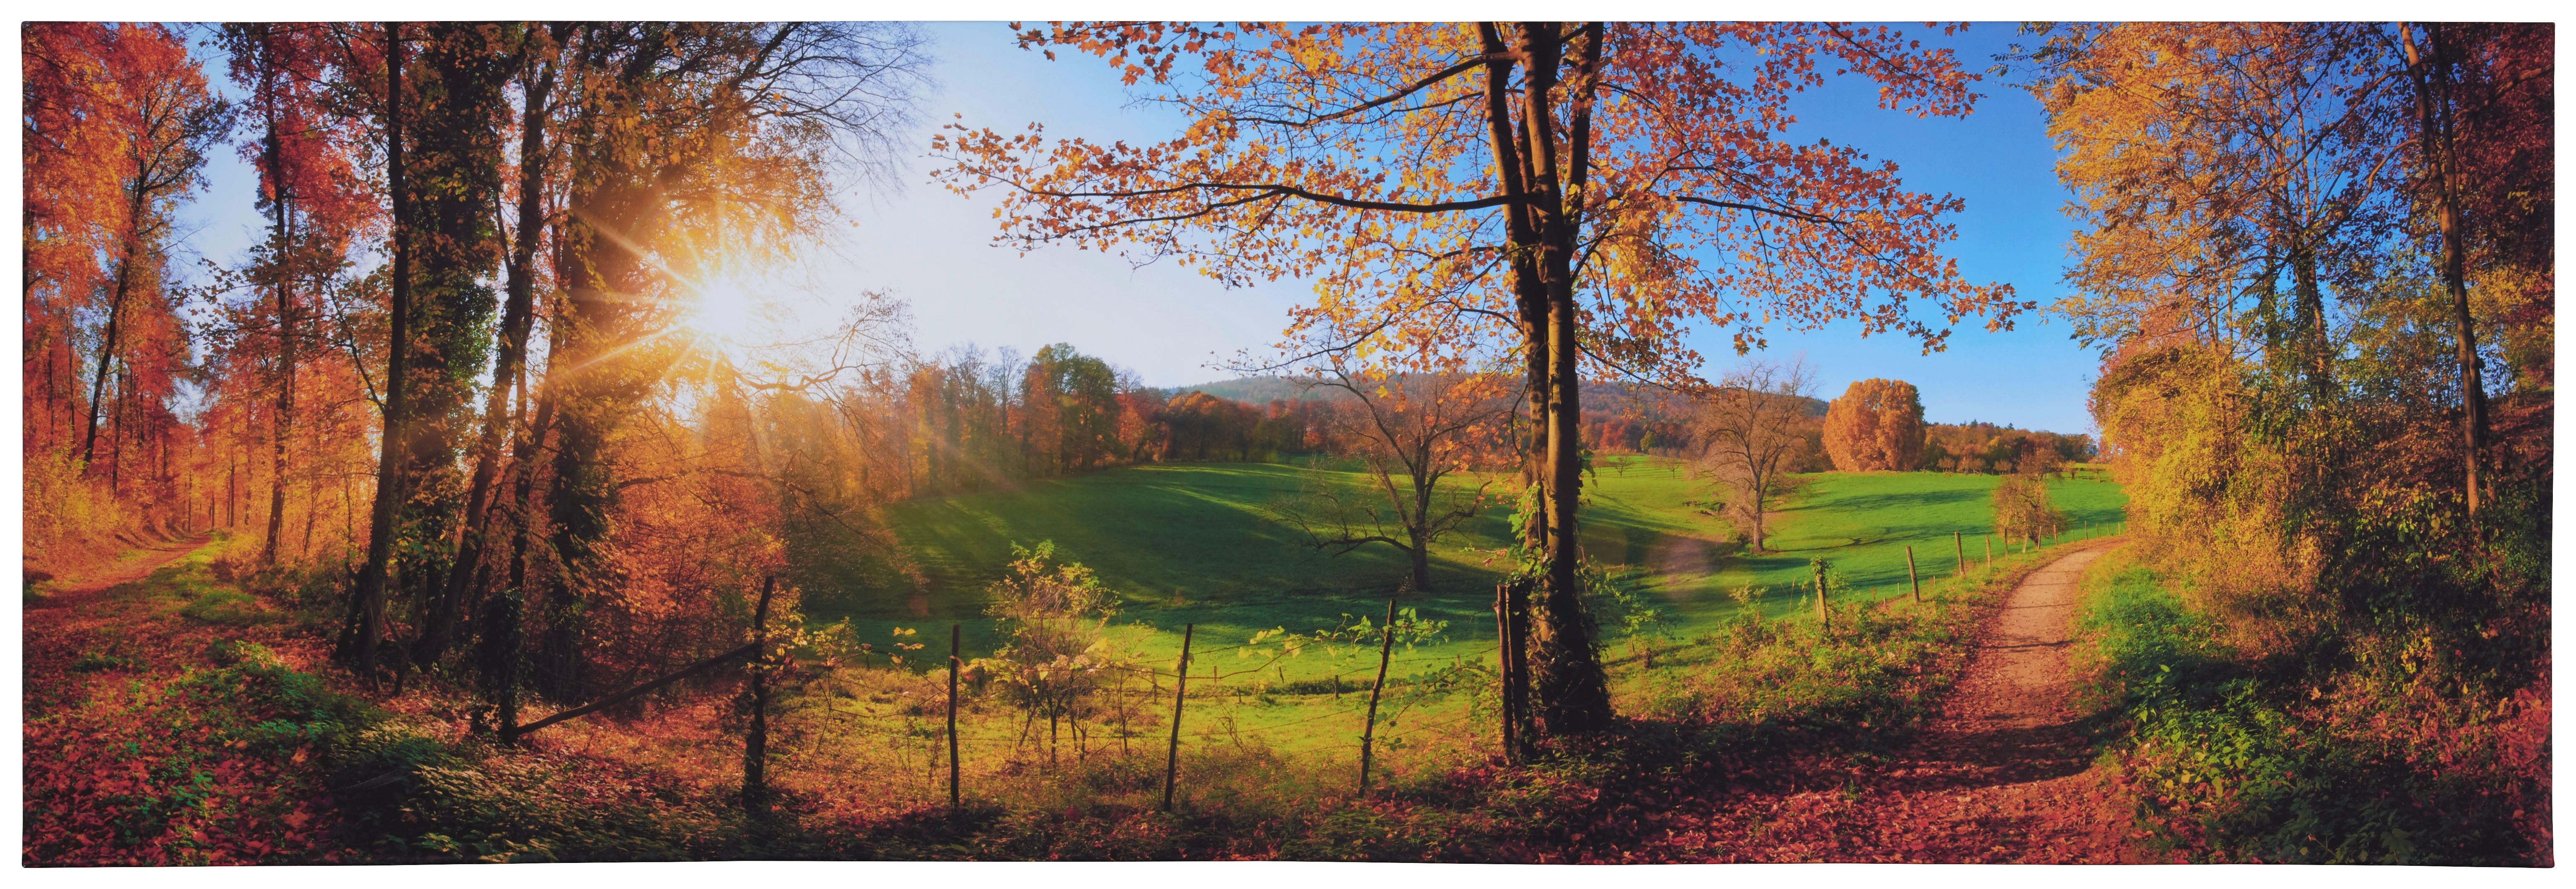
(2363, 752)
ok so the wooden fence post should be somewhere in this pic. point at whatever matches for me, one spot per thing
(1959, 552)
(1910, 578)
(1180, 692)
(1516, 673)
(1368, 731)
(1824, 618)
(755, 748)
(1503, 673)
(1990, 550)
(954, 634)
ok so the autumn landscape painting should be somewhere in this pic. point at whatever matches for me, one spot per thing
(1458, 442)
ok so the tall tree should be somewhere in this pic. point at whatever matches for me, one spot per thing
(1752, 426)
(2481, 108)
(1085, 408)
(302, 151)
(536, 58)
(2218, 165)
(148, 111)
(1563, 192)
(455, 158)
(70, 211)
(2230, 176)
(367, 601)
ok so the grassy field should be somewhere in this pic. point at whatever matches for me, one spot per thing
(1192, 544)
(1265, 738)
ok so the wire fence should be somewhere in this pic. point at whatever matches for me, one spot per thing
(920, 720)
(1159, 676)
(915, 722)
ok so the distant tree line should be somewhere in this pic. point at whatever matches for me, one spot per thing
(1878, 425)
(1975, 447)
(1882, 429)
(965, 420)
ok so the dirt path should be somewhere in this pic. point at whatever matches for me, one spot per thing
(76, 589)
(78, 616)
(126, 760)
(2000, 776)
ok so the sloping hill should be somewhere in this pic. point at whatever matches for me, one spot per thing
(1192, 543)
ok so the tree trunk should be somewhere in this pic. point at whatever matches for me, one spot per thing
(1531, 299)
(456, 147)
(107, 352)
(1421, 557)
(1572, 692)
(284, 426)
(2316, 353)
(368, 605)
(2429, 70)
(516, 319)
(755, 748)
(1528, 293)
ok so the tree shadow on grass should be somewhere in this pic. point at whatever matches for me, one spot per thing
(1909, 500)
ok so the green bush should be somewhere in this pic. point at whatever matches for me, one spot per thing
(2311, 765)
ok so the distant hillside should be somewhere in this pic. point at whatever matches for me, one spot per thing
(1632, 400)
(1259, 390)
(1599, 397)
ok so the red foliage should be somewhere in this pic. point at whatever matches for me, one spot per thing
(127, 759)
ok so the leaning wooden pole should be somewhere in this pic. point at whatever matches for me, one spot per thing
(1180, 692)
(1824, 618)
(1368, 731)
(1959, 551)
(511, 735)
(954, 634)
(1911, 579)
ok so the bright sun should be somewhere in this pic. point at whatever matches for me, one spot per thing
(732, 315)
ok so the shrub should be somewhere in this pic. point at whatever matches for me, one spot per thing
(2232, 763)
(2022, 511)
(59, 506)
(1053, 652)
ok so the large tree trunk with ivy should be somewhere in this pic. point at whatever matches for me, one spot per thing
(456, 180)
(1571, 690)
(517, 316)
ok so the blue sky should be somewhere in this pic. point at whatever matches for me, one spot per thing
(1174, 327)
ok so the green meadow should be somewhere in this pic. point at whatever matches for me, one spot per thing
(1194, 544)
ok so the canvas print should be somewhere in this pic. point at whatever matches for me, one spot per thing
(1596, 442)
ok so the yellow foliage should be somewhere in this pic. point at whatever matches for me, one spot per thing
(2203, 491)
(60, 506)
